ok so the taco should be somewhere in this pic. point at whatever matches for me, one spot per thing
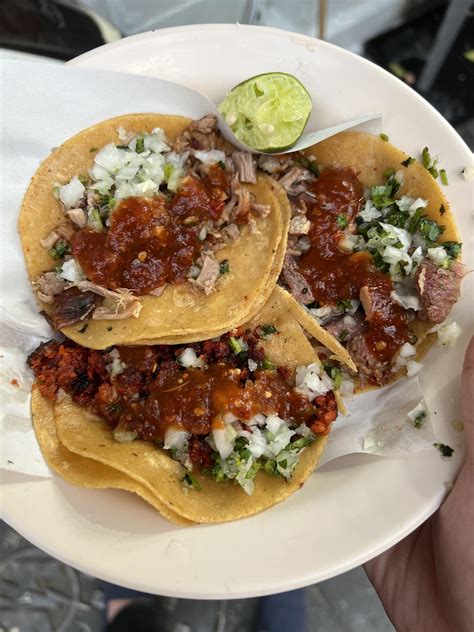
(214, 431)
(373, 252)
(150, 227)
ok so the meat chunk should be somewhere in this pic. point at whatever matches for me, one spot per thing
(71, 307)
(202, 134)
(49, 286)
(260, 210)
(299, 225)
(245, 164)
(294, 181)
(274, 165)
(118, 312)
(242, 209)
(438, 288)
(295, 281)
(369, 367)
(77, 216)
(346, 327)
(207, 278)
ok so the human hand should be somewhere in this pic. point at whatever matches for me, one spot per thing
(426, 581)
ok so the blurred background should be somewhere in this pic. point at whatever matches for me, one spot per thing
(429, 44)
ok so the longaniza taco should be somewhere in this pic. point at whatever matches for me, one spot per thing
(373, 251)
(147, 227)
(241, 419)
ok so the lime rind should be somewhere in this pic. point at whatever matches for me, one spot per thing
(268, 112)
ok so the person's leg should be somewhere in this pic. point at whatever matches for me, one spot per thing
(282, 613)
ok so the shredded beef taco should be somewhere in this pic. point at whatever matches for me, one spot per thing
(373, 252)
(212, 431)
(148, 227)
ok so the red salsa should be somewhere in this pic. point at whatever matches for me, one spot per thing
(152, 241)
(334, 275)
(154, 391)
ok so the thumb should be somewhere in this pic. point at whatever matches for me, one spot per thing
(467, 398)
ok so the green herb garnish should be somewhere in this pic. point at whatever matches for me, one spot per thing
(190, 481)
(442, 209)
(60, 250)
(379, 262)
(453, 248)
(419, 420)
(92, 150)
(266, 331)
(224, 266)
(267, 365)
(414, 221)
(309, 164)
(301, 443)
(140, 145)
(83, 328)
(383, 137)
(430, 229)
(235, 345)
(409, 161)
(342, 221)
(444, 449)
(344, 304)
(343, 335)
(221, 164)
(443, 176)
(388, 173)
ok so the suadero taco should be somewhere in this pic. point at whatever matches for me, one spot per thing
(213, 431)
(151, 227)
(373, 252)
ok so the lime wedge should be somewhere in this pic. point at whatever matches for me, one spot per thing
(267, 112)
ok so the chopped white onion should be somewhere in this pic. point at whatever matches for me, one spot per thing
(253, 366)
(448, 334)
(188, 358)
(175, 438)
(438, 255)
(224, 439)
(70, 271)
(420, 409)
(413, 368)
(72, 193)
(210, 157)
(407, 350)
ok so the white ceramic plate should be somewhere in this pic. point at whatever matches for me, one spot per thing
(354, 507)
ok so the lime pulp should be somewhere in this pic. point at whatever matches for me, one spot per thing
(268, 112)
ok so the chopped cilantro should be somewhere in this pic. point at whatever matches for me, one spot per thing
(97, 220)
(301, 443)
(224, 266)
(168, 170)
(235, 345)
(345, 304)
(442, 209)
(409, 161)
(83, 328)
(109, 328)
(379, 262)
(140, 145)
(444, 449)
(83, 179)
(266, 331)
(412, 226)
(92, 150)
(309, 164)
(336, 376)
(342, 221)
(419, 420)
(430, 229)
(190, 481)
(426, 157)
(105, 200)
(221, 164)
(267, 365)
(217, 470)
(443, 176)
(343, 335)
(383, 137)
(59, 250)
(270, 467)
(254, 468)
(453, 248)
(396, 217)
(389, 172)
(240, 443)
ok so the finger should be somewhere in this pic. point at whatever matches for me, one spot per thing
(467, 397)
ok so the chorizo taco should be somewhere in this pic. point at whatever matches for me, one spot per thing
(212, 431)
(147, 227)
(373, 252)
